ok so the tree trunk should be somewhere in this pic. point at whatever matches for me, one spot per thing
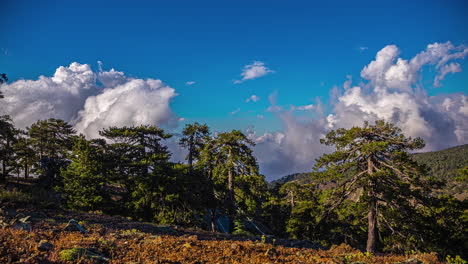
(26, 170)
(213, 220)
(292, 199)
(147, 215)
(3, 175)
(372, 214)
(231, 201)
(190, 158)
(372, 224)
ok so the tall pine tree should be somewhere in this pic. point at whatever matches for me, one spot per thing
(84, 178)
(238, 185)
(141, 162)
(373, 158)
(195, 137)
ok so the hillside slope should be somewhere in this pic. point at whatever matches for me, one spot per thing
(443, 164)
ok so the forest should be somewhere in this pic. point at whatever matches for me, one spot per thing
(370, 193)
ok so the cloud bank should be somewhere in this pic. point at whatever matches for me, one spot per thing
(89, 100)
(389, 89)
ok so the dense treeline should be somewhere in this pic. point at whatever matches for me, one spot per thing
(369, 193)
(447, 165)
(128, 171)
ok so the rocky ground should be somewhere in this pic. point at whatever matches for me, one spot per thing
(60, 236)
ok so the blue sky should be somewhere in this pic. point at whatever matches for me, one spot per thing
(311, 46)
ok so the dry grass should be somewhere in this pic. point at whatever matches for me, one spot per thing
(18, 246)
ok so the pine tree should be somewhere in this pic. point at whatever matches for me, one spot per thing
(52, 140)
(374, 158)
(7, 140)
(141, 163)
(24, 153)
(234, 173)
(195, 136)
(3, 79)
(84, 178)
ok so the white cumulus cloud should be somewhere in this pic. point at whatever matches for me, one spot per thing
(89, 100)
(134, 102)
(389, 90)
(453, 67)
(252, 71)
(60, 96)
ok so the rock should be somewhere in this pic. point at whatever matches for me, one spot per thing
(18, 225)
(44, 245)
(74, 226)
(25, 219)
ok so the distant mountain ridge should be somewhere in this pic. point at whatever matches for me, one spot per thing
(443, 164)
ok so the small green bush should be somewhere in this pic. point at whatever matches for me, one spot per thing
(71, 254)
(455, 260)
(15, 196)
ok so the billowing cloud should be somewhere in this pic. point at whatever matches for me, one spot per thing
(391, 93)
(389, 90)
(294, 149)
(252, 71)
(134, 102)
(252, 98)
(60, 96)
(446, 69)
(89, 100)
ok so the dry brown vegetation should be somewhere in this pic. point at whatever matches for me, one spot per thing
(117, 240)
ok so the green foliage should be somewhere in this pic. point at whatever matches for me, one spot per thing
(240, 229)
(228, 162)
(455, 260)
(370, 174)
(140, 164)
(24, 153)
(51, 140)
(463, 175)
(446, 165)
(154, 189)
(7, 140)
(75, 254)
(84, 178)
(195, 137)
(31, 195)
(15, 196)
(373, 158)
